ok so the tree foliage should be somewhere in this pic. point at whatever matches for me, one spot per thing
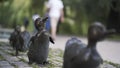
(78, 13)
(88, 11)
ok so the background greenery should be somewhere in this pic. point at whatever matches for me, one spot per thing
(79, 14)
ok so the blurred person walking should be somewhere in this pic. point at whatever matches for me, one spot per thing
(56, 13)
(26, 22)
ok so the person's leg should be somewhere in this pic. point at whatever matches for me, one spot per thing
(54, 22)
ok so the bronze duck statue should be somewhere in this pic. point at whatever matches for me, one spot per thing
(80, 55)
(16, 40)
(39, 43)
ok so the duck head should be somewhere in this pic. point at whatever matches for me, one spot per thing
(17, 29)
(97, 32)
(40, 23)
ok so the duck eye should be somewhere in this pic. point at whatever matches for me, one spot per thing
(94, 32)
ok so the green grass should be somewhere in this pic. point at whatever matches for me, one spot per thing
(1, 57)
(55, 59)
(113, 64)
(21, 59)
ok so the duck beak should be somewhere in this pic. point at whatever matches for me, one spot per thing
(110, 32)
(44, 19)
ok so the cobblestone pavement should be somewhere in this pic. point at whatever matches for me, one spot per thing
(108, 49)
(8, 60)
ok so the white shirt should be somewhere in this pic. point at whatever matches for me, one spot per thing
(55, 8)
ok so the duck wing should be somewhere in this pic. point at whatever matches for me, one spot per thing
(51, 40)
(72, 49)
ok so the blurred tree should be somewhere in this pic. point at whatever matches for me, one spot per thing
(13, 11)
(78, 13)
(74, 10)
(5, 12)
(20, 9)
(87, 11)
(113, 21)
(37, 6)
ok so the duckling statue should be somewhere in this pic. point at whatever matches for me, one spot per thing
(26, 37)
(39, 43)
(80, 55)
(16, 40)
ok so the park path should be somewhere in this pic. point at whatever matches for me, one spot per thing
(108, 49)
(9, 60)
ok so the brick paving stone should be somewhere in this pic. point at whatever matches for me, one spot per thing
(20, 61)
(20, 64)
(25, 67)
(10, 58)
(4, 63)
(23, 57)
(7, 67)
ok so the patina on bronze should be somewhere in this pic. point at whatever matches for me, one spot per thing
(39, 43)
(80, 55)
